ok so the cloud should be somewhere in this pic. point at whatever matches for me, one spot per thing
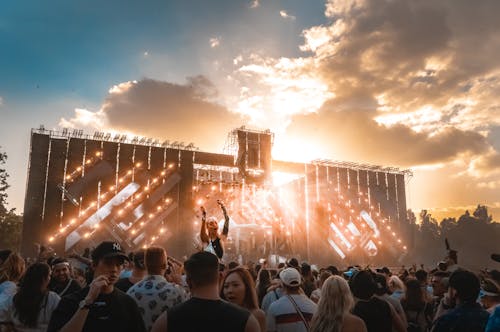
(352, 133)
(486, 164)
(85, 119)
(1, 101)
(255, 4)
(285, 15)
(214, 42)
(157, 109)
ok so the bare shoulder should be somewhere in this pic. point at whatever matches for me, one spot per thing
(252, 324)
(259, 314)
(353, 323)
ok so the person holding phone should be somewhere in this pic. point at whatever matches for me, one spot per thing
(99, 306)
(209, 233)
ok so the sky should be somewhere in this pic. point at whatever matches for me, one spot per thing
(404, 83)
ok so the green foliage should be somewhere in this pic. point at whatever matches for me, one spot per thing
(10, 222)
(11, 226)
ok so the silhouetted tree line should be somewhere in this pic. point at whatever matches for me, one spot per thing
(10, 222)
(475, 236)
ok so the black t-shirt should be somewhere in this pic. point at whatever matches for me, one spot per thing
(199, 315)
(123, 284)
(111, 312)
(375, 313)
(63, 290)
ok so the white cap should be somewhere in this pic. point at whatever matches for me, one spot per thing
(291, 277)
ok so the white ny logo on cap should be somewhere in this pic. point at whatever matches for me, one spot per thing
(116, 246)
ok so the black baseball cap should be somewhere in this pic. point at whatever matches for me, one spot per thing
(108, 249)
(384, 270)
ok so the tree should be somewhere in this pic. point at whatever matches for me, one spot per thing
(10, 222)
(3, 184)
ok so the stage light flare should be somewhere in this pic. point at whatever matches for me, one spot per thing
(51, 239)
(133, 231)
(170, 166)
(86, 235)
(199, 201)
(88, 161)
(98, 154)
(162, 230)
(138, 164)
(72, 221)
(129, 172)
(68, 177)
(79, 168)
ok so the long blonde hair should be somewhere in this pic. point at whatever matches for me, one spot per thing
(12, 269)
(336, 301)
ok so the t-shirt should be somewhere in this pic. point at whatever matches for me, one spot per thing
(467, 317)
(8, 314)
(115, 311)
(282, 315)
(270, 297)
(70, 287)
(200, 315)
(154, 294)
(7, 290)
(124, 284)
(376, 314)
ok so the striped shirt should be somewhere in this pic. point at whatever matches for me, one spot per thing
(282, 316)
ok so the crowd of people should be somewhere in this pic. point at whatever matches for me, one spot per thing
(147, 290)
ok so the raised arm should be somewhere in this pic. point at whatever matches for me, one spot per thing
(225, 229)
(203, 231)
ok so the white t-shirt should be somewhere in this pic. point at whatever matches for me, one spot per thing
(7, 314)
(283, 317)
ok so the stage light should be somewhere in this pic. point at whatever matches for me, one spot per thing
(129, 172)
(199, 201)
(98, 154)
(399, 240)
(138, 165)
(79, 168)
(51, 239)
(171, 166)
(68, 177)
(393, 234)
(61, 230)
(158, 208)
(72, 221)
(162, 230)
(86, 235)
(111, 188)
(195, 187)
(103, 196)
(144, 247)
(96, 226)
(162, 173)
(167, 200)
(288, 233)
(404, 247)
(151, 215)
(213, 188)
(142, 223)
(120, 212)
(120, 180)
(133, 231)
(196, 223)
(88, 161)
(93, 204)
(155, 180)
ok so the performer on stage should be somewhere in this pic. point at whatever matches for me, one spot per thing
(209, 233)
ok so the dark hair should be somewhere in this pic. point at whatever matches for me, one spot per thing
(250, 300)
(264, 283)
(362, 285)
(380, 283)
(414, 297)
(202, 268)
(138, 258)
(232, 265)
(466, 284)
(421, 275)
(30, 296)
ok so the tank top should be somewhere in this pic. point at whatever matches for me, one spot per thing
(200, 315)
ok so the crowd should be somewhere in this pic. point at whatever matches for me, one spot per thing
(149, 291)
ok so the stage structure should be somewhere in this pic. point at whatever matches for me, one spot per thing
(83, 189)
